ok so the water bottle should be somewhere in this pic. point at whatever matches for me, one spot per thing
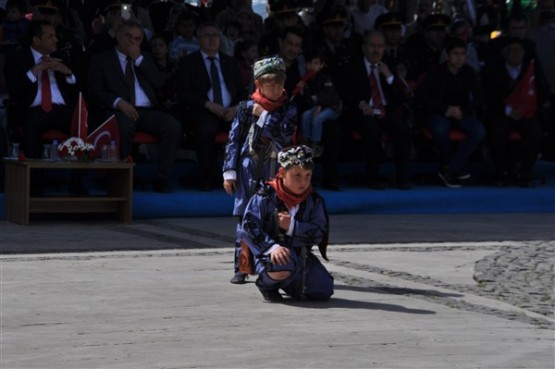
(54, 155)
(113, 152)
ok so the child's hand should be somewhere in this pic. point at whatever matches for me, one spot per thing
(284, 220)
(229, 186)
(280, 256)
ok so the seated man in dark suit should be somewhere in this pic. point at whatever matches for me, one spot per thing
(42, 85)
(209, 83)
(124, 82)
(373, 99)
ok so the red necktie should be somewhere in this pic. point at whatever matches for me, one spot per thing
(46, 100)
(375, 92)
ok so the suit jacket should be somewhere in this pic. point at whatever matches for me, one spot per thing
(500, 85)
(106, 80)
(193, 81)
(21, 90)
(355, 87)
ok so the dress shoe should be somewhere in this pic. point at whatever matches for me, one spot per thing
(524, 181)
(375, 184)
(161, 185)
(238, 278)
(403, 185)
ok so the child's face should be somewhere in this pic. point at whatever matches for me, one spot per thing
(315, 64)
(296, 179)
(251, 54)
(456, 57)
(159, 48)
(270, 89)
(13, 14)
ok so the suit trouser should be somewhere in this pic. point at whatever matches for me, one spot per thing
(530, 146)
(37, 121)
(157, 123)
(207, 125)
(371, 129)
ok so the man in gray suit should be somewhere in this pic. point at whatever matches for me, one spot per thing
(124, 82)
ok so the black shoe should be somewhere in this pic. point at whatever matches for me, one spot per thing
(525, 181)
(449, 180)
(461, 176)
(375, 184)
(238, 278)
(403, 185)
(161, 185)
(500, 180)
(270, 295)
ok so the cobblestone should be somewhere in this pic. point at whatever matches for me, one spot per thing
(520, 276)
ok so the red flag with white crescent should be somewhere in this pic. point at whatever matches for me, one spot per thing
(524, 98)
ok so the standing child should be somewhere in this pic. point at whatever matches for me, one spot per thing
(262, 126)
(326, 103)
(281, 224)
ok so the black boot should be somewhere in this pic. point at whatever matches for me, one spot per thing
(269, 295)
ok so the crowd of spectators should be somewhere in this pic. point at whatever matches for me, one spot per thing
(381, 79)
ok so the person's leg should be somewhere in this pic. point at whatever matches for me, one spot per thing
(399, 132)
(272, 277)
(331, 140)
(126, 128)
(306, 125)
(531, 131)
(168, 130)
(475, 132)
(206, 128)
(439, 127)
(499, 133)
(318, 122)
(370, 131)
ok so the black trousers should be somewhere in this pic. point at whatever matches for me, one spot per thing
(157, 123)
(206, 126)
(529, 147)
(371, 130)
(37, 121)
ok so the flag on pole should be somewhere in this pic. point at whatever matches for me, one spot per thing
(524, 98)
(79, 126)
(106, 132)
(298, 88)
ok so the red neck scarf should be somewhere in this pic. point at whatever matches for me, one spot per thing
(289, 198)
(266, 103)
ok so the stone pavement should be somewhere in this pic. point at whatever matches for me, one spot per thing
(411, 292)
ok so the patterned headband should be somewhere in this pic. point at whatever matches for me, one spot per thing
(296, 155)
(268, 65)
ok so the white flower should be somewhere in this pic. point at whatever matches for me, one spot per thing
(74, 145)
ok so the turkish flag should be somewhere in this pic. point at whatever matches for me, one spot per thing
(524, 98)
(298, 88)
(79, 126)
(106, 132)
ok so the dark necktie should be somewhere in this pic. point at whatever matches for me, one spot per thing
(46, 98)
(216, 85)
(375, 92)
(130, 80)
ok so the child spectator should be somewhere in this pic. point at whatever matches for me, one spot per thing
(262, 126)
(281, 224)
(185, 43)
(246, 52)
(14, 27)
(327, 104)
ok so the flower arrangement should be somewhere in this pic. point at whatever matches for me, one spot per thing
(75, 148)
